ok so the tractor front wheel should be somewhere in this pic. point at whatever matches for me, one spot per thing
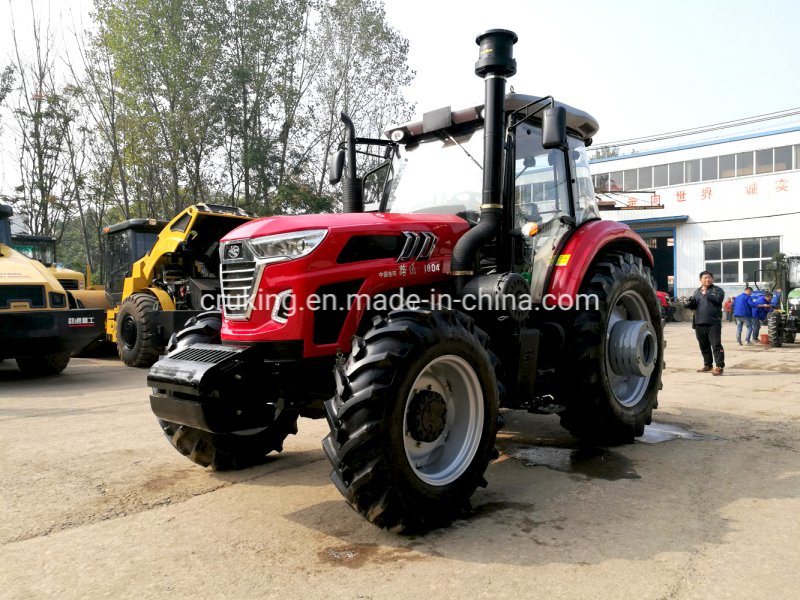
(775, 329)
(138, 339)
(414, 419)
(223, 451)
(616, 353)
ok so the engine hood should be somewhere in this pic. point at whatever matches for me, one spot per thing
(18, 269)
(446, 226)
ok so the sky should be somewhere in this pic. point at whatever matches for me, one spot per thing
(639, 68)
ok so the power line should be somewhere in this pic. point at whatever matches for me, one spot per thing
(702, 129)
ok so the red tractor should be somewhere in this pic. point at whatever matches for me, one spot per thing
(477, 276)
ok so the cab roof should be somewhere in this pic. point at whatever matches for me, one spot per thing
(578, 121)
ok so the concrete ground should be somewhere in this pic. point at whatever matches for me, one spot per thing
(95, 503)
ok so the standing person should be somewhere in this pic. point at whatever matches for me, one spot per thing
(760, 310)
(707, 304)
(743, 312)
(728, 308)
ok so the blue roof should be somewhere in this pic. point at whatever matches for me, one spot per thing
(746, 136)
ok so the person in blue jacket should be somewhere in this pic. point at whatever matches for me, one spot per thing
(761, 308)
(743, 313)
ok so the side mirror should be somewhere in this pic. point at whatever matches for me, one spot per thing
(336, 168)
(554, 128)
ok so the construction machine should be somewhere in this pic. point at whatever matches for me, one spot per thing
(784, 321)
(476, 276)
(38, 326)
(159, 274)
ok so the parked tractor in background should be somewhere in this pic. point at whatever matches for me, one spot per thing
(38, 327)
(159, 274)
(784, 321)
(478, 276)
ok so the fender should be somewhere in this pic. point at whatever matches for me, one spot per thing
(580, 250)
(163, 298)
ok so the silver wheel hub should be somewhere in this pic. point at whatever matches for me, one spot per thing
(632, 348)
(443, 420)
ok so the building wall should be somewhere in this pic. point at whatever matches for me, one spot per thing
(755, 206)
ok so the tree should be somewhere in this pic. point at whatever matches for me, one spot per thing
(40, 113)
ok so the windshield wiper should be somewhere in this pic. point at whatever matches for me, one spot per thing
(452, 139)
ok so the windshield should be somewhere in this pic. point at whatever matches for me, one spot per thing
(584, 190)
(43, 251)
(439, 177)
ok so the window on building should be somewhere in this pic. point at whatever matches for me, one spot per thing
(783, 158)
(615, 181)
(645, 178)
(797, 156)
(692, 168)
(744, 164)
(764, 161)
(660, 176)
(601, 182)
(710, 167)
(630, 180)
(745, 260)
(676, 173)
(727, 166)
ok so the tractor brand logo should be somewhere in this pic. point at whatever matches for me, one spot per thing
(419, 245)
(233, 251)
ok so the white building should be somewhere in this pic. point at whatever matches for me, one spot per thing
(726, 206)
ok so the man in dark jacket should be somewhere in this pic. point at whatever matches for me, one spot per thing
(707, 304)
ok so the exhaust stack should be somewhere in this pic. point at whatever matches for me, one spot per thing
(495, 64)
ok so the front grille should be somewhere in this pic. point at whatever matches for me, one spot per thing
(69, 284)
(204, 355)
(237, 280)
(32, 294)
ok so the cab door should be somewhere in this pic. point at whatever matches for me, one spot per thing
(541, 193)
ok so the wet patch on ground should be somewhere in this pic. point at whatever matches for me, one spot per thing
(354, 556)
(591, 462)
(655, 433)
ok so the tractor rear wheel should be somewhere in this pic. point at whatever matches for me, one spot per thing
(138, 339)
(47, 364)
(775, 329)
(414, 419)
(617, 351)
(223, 451)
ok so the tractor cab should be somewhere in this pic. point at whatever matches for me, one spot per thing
(125, 243)
(436, 167)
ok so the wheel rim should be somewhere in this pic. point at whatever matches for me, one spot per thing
(631, 348)
(443, 420)
(128, 332)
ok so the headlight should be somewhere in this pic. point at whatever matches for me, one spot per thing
(287, 246)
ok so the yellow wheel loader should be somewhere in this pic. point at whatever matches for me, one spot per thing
(37, 326)
(159, 275)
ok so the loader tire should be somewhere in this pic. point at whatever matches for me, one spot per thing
(138, 338)
(47, 364)
(603, 405)
(775, 329)
(223, 451)
(414, 419)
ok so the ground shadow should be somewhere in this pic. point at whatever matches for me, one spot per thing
(651, 498)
